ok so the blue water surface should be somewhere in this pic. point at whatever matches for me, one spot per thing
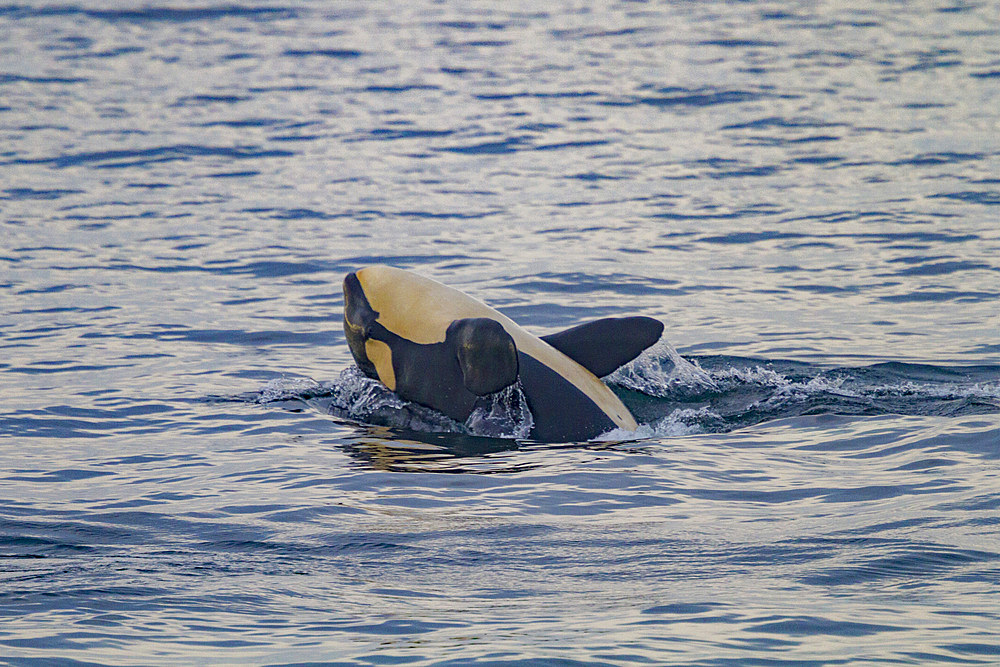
(192, 472)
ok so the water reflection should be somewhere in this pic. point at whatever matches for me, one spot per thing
(390, 449)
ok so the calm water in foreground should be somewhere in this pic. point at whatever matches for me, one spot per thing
(805, 194)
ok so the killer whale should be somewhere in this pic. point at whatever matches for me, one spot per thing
(441, 348)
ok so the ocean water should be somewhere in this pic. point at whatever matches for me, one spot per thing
(806, 194)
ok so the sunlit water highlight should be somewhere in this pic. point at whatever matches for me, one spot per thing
(806, 195)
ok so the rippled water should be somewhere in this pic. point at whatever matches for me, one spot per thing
(805, 194)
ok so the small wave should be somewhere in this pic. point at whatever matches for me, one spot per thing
(672, 396)
(749, 392)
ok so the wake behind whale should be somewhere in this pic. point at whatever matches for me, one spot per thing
(671, 395)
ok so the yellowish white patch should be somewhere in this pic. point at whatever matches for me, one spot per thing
(380, 354)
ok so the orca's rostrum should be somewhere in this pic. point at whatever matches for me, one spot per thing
(439, 347)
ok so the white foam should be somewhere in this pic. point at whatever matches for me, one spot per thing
(987, 390)
(817, 385)
(757, 375)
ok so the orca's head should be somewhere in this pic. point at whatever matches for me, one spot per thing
(486, 354)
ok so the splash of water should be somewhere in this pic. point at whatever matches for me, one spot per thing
(506, 416)
(285, 389)
(357, 394)
(661, 371)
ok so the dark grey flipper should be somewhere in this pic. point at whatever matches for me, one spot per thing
(486, 354)
(604, 346)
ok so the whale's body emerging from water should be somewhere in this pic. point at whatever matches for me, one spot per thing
(441, 348)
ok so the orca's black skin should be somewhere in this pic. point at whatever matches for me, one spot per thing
(478, 357)
(604, 346)
(561, 412)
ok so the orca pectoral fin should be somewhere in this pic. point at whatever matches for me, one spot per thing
(487, 356)
(604, 346)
